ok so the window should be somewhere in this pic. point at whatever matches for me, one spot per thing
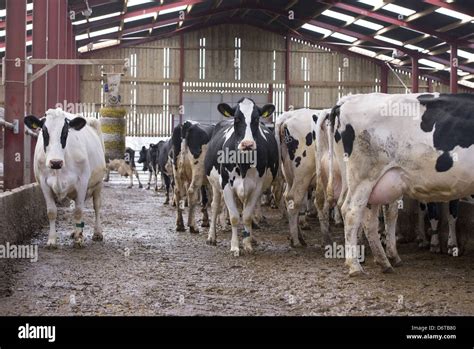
(274, 66)
(237, 58)
(166, 63)
(202, 58)
(305, 73)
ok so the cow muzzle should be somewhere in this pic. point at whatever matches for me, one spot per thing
(247, 145)
(56, 164)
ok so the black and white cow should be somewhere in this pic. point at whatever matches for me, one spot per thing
(433, 210)
(189, 146)
(241, 162)
(125, 167)
(418, 145)
(164, 166)
(149, 159)
(69, 162)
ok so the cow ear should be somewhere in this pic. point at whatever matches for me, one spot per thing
(225, 110)
(267, 110)
(32, 122)
(77, 123)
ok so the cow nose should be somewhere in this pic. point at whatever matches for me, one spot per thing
(56, 164)
(247, 145)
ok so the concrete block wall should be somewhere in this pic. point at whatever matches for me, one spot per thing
(22, 212)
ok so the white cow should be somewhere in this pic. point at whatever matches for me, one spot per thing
(419, 145)
(69, 162)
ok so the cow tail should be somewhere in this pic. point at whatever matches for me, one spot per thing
(330, 133)
(96, 126)
(319, 149)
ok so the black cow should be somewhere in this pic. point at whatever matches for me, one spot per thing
(241, 162)
(149, 158)
(164, 165)
(189, 146)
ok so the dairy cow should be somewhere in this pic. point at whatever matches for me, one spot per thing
(69, 162)
(149, 159)
(241, 162)
(418, 145)
(189, 147)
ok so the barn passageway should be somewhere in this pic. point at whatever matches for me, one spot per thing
(144, 267)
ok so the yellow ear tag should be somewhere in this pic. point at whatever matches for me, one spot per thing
(226, 113)
(35, 126)
(265, 114)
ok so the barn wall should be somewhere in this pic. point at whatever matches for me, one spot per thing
(153, 98)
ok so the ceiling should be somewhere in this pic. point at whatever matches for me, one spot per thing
(390, 31)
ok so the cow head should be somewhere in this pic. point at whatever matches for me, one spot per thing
(246, 121)
(154, 152)
(55, 128)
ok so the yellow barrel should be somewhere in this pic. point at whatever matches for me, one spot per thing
(114, 129)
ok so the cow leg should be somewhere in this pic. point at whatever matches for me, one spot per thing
(353, 211)
(138, 178)
(294, 198)
(204, 203)
(337, 217)
(96, 198)
(193, 196)
(224, 215)
(433, 214)
(371, 225)
(248, 213)
(230, 201)
(452, 218)
(77, 214)
(390, 217)
(302, 219)
(130, 174)
(107, 175)
(179, 209)
(215, 209)
(149, 181)
(155, 173)
(52, 212)
(167, 182)
(420, 229)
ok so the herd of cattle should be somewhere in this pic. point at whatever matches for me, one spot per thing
(356, 161)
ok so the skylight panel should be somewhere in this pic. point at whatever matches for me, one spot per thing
(392, 41)
(368, 24)
(338, 15)
(316, 29)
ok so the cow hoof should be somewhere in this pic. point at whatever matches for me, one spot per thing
(180, 228)
(423, 245)
(305, 226)
(193, 230)
(255, 225)
(79, 244)
(97, 237)
(129, 187)
(140, 186)
(147, 188)
(435, 248)
(235, 251)
(205, 224)
(156, 189)
(297, 243)
(356, 271)
(211, 242)
(388, 270)
(247, 242)
(396, 262)
(51, 244)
